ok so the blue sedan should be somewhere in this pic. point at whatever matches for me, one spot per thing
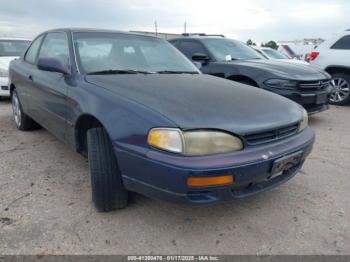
(151, 123)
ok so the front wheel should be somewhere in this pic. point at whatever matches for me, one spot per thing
(340, 94)
(108, 191)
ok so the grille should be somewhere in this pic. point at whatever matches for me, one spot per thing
(275, 134)
(314, 85)
(4, 88)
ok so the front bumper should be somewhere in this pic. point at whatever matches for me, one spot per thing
(164, 176)
(307, 99)
(4, 88)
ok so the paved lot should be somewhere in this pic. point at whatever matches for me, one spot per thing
(45, 205)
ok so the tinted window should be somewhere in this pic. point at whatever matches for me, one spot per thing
(33, 50)
(224, 48)
(261, 53)
(13, 47)
(99, 51)
(55, 45)
(343, 43)
(191, 47)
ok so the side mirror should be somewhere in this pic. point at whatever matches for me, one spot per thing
(199, 57)
(52, 65)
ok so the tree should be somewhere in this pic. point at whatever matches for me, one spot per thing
(250, 42)
(271, 44)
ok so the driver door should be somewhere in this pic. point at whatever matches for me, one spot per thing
(50, 88)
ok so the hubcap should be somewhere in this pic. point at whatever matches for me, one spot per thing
(340, 90)
(16, 110)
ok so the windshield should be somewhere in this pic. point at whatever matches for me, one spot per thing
(13, 47)
(111, 53)
(274, 54)
(226, 48)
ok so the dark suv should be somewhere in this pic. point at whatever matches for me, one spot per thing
(236, 61)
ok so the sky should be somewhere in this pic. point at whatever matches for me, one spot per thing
(259, 20)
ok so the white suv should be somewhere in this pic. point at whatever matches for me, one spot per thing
(333, 56)
(10, 48)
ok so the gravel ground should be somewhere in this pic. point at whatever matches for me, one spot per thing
(45, 205)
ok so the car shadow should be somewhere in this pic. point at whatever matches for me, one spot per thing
(316, 120)
(5, 100)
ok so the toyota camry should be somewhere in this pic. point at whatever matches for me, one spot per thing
(149, 122)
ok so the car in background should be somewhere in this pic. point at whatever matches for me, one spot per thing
(151, 123)
(234, 60)
(333, 56)
(273, 54)
(10, 48)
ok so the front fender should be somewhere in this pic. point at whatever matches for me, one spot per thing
(126, 121)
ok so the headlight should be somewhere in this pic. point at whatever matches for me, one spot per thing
(281, 83)
(4, 72)
(193, 143)
(305, 122)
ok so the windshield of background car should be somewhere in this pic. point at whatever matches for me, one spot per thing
(13, 47)
(222, 48)
(274, 54)
(99, 51)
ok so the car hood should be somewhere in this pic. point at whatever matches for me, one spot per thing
(275, 68)
(203, 101)
(293, 61)
(5, 61)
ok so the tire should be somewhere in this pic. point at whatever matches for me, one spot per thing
(340, 94)
(23, 122)
(108, 191)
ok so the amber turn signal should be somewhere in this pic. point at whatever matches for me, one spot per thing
(210, 181)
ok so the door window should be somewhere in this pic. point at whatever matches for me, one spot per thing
(343, 43)
(32, 52)
(55, 46)
(188, 48)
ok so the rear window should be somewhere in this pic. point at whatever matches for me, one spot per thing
(343, 43)
(13, 47)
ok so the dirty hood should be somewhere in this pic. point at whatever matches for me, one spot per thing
(203, 101)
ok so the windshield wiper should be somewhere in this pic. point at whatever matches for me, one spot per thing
(176, 72)
(119, 71)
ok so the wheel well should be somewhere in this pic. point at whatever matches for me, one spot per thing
(334, 69)
(240, 78)
(83, 124)
(12, 87)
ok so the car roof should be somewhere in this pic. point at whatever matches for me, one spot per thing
(196, 37)
(261, 47)
(267, 48)
(95, 30)
(15, 39)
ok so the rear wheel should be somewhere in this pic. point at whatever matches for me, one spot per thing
(340, 94)
(22, 121)
(108, 191)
